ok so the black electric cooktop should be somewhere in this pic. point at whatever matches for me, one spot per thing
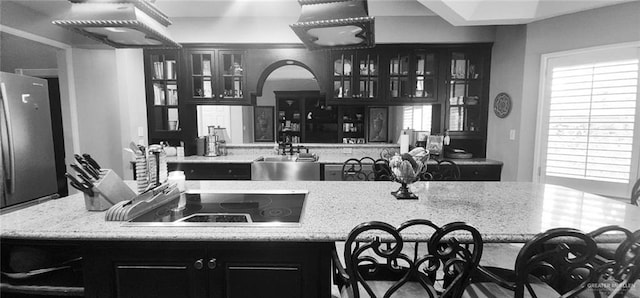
(202, 208)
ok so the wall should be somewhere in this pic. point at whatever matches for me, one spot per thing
(603, 26)
(110, 104)
(507, 68)
(98, 107)
(17, 52)
(14, 15)
(131, 99)
(430, 29)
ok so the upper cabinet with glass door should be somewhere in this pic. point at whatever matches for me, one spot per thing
(412, 76)
(217, 77)
(162, 93)
(356, 77)
(468, 91)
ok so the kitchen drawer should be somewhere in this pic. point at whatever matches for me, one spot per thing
(480, 172)
(332, 172)
(213, 171)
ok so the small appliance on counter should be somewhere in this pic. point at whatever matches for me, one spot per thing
(214, 143)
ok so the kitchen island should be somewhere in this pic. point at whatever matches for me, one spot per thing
(120, 259)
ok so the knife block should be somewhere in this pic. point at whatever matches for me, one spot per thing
(108, 190)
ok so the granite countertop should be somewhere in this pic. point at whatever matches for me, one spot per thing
(268, 145)
(501, 211)
(231, 158)
(337, 158)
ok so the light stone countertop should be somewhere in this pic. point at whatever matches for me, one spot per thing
(231, 158)
(328, 158)
(501, 211)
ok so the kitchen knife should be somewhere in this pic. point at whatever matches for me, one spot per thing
(91, 161)
(87, 167)
(79, 185)
(79, 158)
(91, 171)
(80, 171)
(87, 182)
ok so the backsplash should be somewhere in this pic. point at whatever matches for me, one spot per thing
(319, 149)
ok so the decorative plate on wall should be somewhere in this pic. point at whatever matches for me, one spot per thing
(502, 105)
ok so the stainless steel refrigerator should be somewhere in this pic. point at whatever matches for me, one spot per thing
(26, 138)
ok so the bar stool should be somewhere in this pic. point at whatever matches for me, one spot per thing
(377, 263)
(563, 261)
(366, 169)
(444, 170)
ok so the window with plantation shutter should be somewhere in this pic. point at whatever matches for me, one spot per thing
(417, 117)
(591, 122)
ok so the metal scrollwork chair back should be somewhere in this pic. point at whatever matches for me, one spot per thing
(365, 169)
(544, 267)
(379, 263)
(617, 272)
(444, 170)
(635, 193)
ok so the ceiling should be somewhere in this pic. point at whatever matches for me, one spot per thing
(456, 12)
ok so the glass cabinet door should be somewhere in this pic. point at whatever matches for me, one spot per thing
(164, 92)
(425, 75)
(342, 74)
(202, 76)
(399, 76)
(232, 66)
(367, 75)
(464, 93)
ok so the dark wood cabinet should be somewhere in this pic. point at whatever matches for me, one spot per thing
(162, 95)
(303, 117)
(216, 76)
(467, 98)
(213, 171)
(412, 76)
(205, 269)
(158, 273)
(485, 172)
(453, 78)
(356, 77)
(352, 124)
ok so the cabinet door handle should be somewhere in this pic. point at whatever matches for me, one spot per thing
(198, 264)
(212, 263)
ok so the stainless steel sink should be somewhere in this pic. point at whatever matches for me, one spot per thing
(277, 158)
(283, 167)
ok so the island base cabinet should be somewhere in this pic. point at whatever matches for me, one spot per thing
(139, 271)
(242, 269)
(261, 280)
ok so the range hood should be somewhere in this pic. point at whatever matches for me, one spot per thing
(335, 24)
(120, 23)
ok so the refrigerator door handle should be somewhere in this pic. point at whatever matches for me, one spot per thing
(12, 162)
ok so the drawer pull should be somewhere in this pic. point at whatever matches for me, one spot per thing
(198, 264)
(212, 263)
